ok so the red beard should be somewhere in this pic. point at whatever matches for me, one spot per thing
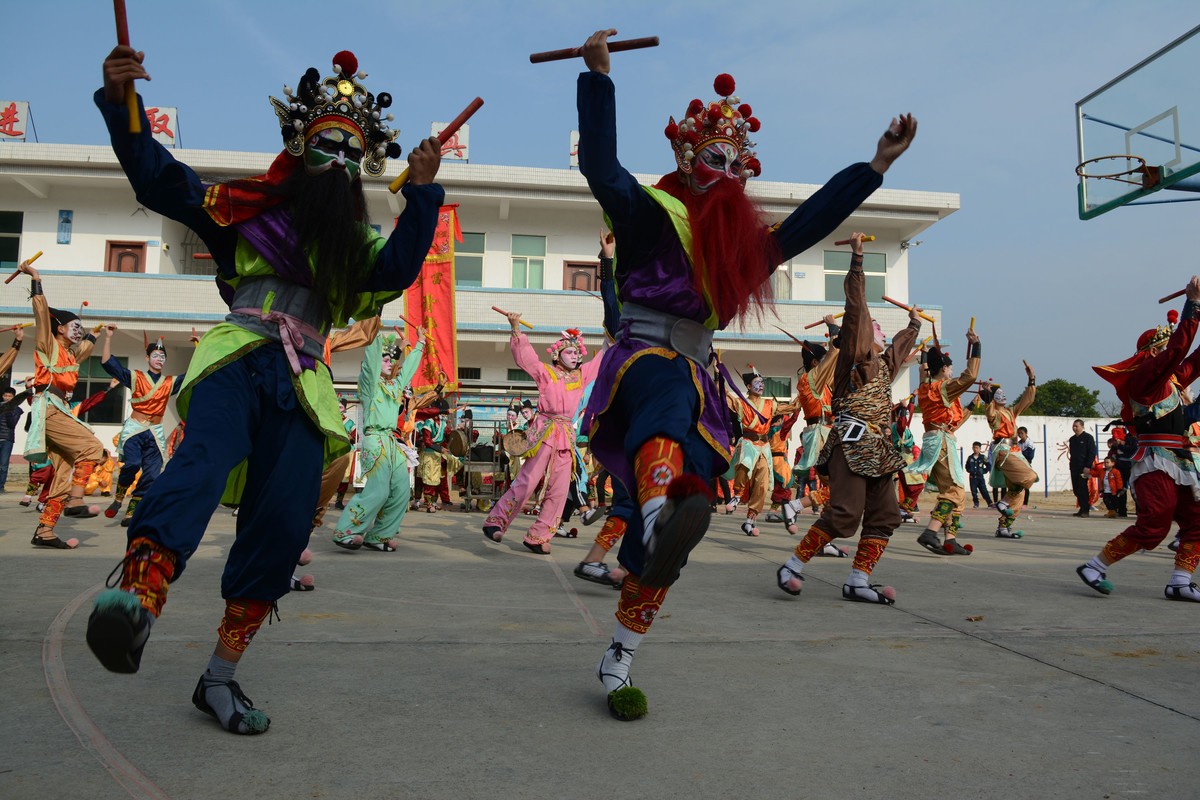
(733, 252)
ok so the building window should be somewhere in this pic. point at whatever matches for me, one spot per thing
(469, 373)
(837, 264)
(581, 276)
(10, 239)
(777, 387)
(468, 260)
(92, 379)
(528, 261)
(125, 257)
(519, 376)
(781, 283)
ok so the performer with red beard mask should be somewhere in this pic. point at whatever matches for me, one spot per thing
(295, 256)
(693, 254)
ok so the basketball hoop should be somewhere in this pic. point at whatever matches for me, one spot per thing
(1149, 176)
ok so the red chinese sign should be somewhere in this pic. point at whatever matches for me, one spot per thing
(458, 146)
(14, 117)
(429, 304)
(163, 125)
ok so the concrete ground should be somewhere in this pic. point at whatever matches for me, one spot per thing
(455, 668)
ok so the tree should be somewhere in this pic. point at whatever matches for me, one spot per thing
(1060, 398)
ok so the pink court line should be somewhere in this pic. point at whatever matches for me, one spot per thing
(129, 777)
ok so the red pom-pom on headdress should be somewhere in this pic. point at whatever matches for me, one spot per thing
(347, 61)
(1172, 316)
(745, 110)
(724, 84)
(714, 114)
(753, 124)
(695, 107)
(672, 130)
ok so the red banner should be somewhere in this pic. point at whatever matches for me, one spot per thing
(429, 304)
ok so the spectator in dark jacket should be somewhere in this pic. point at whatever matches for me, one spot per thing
(977, 467)
(1081, 455)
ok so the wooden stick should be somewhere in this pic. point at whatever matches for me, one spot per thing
(505, 313)
(1172, 296)
(838, 315)
(32, 259)
(907, 307)
(576, 52)
(19, 325)
(442, 137)
(135, 119)
(844, 242)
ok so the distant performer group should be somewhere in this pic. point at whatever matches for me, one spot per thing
(654, 411)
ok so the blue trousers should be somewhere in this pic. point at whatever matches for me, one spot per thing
(141, 453)
(246, 410)
(6, 448)
(657, 397)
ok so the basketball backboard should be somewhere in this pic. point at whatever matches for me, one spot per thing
(1152, 112)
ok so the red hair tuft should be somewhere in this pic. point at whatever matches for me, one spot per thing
(724, 84)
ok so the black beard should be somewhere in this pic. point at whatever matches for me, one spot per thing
(330, 215)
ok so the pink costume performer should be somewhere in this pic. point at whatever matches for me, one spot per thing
(561, 386)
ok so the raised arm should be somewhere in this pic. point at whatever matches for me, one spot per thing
(357, 335)
(1028, 395)
(110, 365)
(955, 387)
(10, 355)
(526, 357)
(637, 220)
(821, 375)
(903, 343)
(857, 338)
(412, 361)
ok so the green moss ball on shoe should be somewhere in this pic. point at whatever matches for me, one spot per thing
(118, 600)
(628, 703)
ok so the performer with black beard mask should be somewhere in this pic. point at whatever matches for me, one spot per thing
(295, 256)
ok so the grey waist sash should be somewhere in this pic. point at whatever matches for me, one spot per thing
(297, 318)
(685, 336)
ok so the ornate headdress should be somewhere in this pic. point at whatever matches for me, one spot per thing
(748, 377)
(571, 337)
(339, 101)
(726, 119)
(157, 346)
(392, 347)
(1158, 337)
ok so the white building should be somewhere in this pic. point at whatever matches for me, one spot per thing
(530, 245)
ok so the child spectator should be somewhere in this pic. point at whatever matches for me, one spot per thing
(977, 467)
(1112, 485)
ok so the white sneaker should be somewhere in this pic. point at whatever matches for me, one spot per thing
(732, 505)
(592, 514)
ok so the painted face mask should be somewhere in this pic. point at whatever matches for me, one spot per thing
(880, 338)
(758, 385)
(569, 357)
(717, 161)
(158, 360)
(527, 413)
(387, 366)
(75, 331)
(1000, 397)
(333, 148)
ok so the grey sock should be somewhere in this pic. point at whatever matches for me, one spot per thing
(225, 703)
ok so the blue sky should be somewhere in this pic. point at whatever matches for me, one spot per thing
(993, 85)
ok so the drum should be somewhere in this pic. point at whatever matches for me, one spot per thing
(456, 443)
(516, 444)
